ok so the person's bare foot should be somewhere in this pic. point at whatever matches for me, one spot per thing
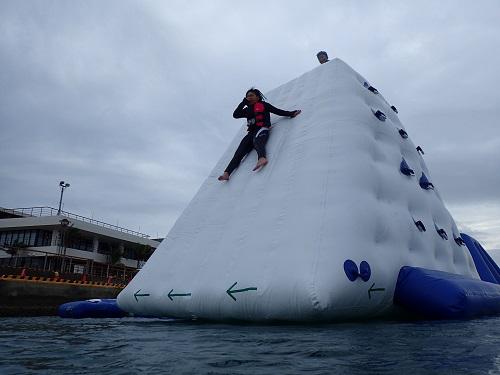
(260, 163)
(224, 177)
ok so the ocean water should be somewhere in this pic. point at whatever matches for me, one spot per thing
(50, 345)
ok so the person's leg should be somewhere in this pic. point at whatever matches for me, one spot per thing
(259, 143)
(244, 148)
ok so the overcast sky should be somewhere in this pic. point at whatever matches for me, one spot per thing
(131, 101)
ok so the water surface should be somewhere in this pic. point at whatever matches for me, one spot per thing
(50, 345)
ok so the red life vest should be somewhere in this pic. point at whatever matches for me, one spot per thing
(258, 110)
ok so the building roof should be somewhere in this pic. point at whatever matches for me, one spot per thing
(49, 218)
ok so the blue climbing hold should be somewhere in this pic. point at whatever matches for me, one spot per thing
(364, 271)
(394, 109)
(403, 134)
(443, 234)
(424, 182)
(380, 115)
(420, 225)
(405, 169)
(459, 241)
(351, 270)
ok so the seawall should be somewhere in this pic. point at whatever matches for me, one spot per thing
(29, 297)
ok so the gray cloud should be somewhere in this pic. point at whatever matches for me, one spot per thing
(131, 101)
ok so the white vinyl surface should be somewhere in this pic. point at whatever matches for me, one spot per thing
(271, 245)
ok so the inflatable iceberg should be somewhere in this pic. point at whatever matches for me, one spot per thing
(322, 232)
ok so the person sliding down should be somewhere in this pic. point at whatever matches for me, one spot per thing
(257, 112)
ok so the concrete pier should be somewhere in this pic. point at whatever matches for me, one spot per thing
(28, 297)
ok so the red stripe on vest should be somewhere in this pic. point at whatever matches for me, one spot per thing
(258, 109)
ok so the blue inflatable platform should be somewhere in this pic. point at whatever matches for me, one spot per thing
(92, 308)
(441, 295)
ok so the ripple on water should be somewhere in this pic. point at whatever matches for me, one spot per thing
(155, 346)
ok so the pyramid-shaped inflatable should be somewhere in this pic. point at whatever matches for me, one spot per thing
(322, 232)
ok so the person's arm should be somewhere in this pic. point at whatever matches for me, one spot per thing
(240, 112)
(281, 112)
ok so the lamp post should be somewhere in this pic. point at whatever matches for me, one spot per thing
(65, 225)
(63, 186)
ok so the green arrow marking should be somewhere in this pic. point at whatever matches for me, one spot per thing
(136, 294)
(230, 291)
(372, 289)
(170, 295)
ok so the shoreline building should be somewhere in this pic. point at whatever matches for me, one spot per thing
(76, 247)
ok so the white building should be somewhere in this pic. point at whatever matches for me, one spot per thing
(40, 238)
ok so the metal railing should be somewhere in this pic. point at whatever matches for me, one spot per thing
(50, 211)
(94, 271)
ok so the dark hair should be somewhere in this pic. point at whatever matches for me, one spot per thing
(256, 92)
(322, 53)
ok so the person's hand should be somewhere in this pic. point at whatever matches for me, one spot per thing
(296, 113)
(245, 101)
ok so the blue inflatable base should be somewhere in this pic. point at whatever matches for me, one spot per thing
(441, 295)
(93, 308)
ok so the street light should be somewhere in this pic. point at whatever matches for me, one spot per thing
(63, 186)
(65, 225)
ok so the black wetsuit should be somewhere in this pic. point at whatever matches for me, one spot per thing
(258, 121)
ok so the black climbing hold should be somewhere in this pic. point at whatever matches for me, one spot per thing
(419, 149)
(370, 87)
(364, 271)
(424, 182)
(351, 270)
(380, 115)
(459, 241)
(405, 169)
(403, 133)
(394, 109)
(442, 233)
(420, 226)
